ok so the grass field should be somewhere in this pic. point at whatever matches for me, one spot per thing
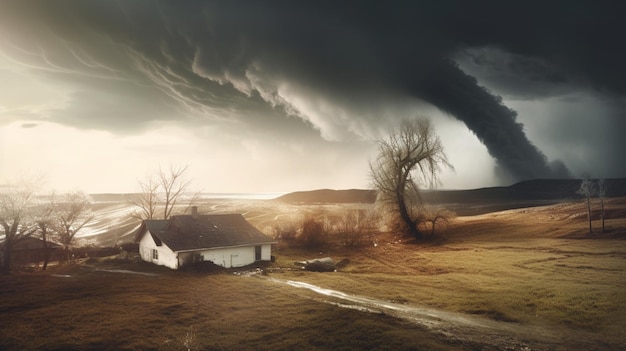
(534, 273)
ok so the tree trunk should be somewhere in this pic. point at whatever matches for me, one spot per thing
(66, 254)
(589, 214)
(602, 213)
(6, 257)
(404, 214)
(46, 253)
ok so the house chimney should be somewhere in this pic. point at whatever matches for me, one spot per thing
(194, 212)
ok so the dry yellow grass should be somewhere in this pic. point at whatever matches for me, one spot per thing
(534, 266)
(79, 307)
(531, 268)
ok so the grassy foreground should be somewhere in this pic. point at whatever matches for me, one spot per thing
(533, 266)
(530, 267)
(79, 308)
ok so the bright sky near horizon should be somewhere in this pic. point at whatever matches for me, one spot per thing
(286, 96)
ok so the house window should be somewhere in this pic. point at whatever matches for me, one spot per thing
(257, 253)
(155, 254)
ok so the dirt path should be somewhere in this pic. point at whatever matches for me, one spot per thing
(456, 328)
(126, 271)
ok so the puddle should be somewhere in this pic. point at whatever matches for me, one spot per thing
(450, 325)
(125, 271)
(425, 316)
(61, 275)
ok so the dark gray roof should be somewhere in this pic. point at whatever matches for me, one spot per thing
(186, 233)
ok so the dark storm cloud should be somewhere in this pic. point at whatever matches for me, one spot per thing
(582, 39)
(516, 76)
(332, 64)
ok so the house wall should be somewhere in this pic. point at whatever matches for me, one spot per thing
(166, 257)
(225, 257)
(266, 252)
(236, 256)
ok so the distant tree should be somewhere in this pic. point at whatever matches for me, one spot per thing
(71, 213)
(16, 202)
(411, 156)
(588, 190)
(162, 191)
(602, 196)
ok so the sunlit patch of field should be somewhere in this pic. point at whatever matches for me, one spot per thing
(531, 266)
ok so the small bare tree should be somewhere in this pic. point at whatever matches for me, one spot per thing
(161, 192)
(71, 213)
(588, 190)
(439, 218)
(410, 157)
(16, 203)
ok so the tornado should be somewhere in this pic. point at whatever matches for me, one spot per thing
(453, 91)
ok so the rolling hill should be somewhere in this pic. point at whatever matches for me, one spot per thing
(329, 196)
(470, 202)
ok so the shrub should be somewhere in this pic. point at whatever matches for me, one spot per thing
(349, 228)
(282, 229)
(313, 233)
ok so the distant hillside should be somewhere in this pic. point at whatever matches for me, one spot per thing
(329, 196)
(526, 193)
(538, 189)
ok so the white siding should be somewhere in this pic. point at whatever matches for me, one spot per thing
(226, 257)
(165, 255)
(230, 256)
(236, 256)
(146, 244)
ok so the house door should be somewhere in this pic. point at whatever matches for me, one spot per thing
(257, 253)
(233, 260)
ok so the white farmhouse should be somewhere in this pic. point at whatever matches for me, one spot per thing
(227, 240)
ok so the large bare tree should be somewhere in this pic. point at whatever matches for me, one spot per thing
(410, 157)
(162, 191)
(16, 203)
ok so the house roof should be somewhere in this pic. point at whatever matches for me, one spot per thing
(190, 233)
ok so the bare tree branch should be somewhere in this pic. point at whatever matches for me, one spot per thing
(162, 192)
(15, 219)
(410, 157)
(71, 214)
(148, 199)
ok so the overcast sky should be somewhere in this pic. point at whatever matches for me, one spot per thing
(279, 96)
